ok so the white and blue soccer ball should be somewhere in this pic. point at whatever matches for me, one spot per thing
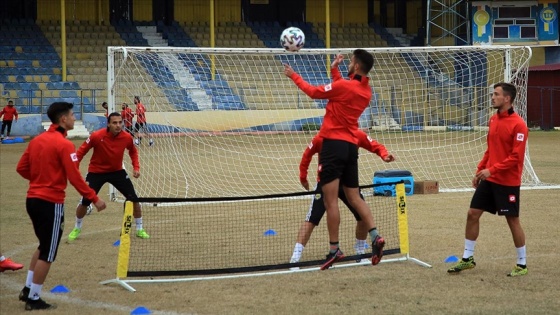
(292, 39)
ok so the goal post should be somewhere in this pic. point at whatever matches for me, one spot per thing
(227, 122)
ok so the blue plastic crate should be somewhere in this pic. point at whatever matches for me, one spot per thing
(392, 176)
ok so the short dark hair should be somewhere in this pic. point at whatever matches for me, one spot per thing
(113, 114)
(508, 88)
(104, 103)
(57, 110)
(10, 102)
(137, 98)
(364, 58)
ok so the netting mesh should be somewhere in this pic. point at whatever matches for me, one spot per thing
(211, 237)
(227, 122)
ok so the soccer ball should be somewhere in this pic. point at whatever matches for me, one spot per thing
(292, 39)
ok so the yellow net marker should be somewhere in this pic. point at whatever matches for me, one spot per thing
(402, 218)
(124, 247)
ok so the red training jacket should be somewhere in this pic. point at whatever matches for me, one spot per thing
(347, 101)
(49, 162)
(140, 113)
(9, 113)
(108, 151)
(316, 144)
(505, 154)
(127, 116)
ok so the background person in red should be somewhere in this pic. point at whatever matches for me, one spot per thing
(105, 166)
(498, 178)
(141, 125)
(49, 162)
(338, 161)
(317, 207)
(10, 113)
(127, 116)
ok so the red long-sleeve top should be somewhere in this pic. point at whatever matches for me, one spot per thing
(9, 113)
(127, 116)
(364, 141)
(108, 151)
(49, 162)
(347, 101)
(140, 113)
(505, 154)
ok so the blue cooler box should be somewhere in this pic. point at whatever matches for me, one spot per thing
(391, 176)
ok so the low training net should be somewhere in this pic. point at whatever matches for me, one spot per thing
(227, 122)
(232, 235)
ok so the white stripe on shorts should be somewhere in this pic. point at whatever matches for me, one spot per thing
(58, 213)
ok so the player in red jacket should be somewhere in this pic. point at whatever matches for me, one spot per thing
(317, 207)
(141, 125)
(127, 116)
(49, 162)
(10, 113)
(338, 161)
(105, 166)
(498, 178)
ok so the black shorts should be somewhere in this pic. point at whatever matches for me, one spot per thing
(119, 179)
(496, 199)
(317, 208)
(48, 223)
(140, 127)
(339, 160)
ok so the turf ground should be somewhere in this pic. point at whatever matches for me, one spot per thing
(436, 225)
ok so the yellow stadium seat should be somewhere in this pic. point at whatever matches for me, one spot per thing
(42, 85)
(11, 63)
(12, 78)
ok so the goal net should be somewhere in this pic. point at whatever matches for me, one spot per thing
(228, 122)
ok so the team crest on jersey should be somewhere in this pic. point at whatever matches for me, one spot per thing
(511, 198)
(74, 157)
(328, 87)
(520, 137)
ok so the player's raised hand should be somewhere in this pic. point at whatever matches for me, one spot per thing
(337, 60)
(288, 71)
(389, 158)
(100, 205)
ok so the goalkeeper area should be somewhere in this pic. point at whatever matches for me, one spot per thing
(200, 237)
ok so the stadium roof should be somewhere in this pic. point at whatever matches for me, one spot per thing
(549, 67)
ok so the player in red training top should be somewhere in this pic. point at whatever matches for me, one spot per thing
(106, 108)
(49, 162)
(141, 125)
(127, 116)
(105, 166)
(338, 161)
(9, 112)
(317, 207)
(498, 178)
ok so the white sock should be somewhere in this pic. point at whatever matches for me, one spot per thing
(78, 224)
(298, 249)
(522, 255)
(2, 258)
(35, 291)
(360, 246)
(138, 223)
(29, 279)
(469, 248)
